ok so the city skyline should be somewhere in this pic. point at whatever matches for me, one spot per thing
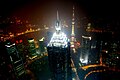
(59, 40)
(100, 14)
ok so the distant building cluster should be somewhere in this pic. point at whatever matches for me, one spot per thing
(16, 56)
(95, 45)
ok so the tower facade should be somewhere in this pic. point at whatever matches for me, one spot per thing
(42, 46)
(85, 50)
(16, 61)
(59, 55)
(73, 29)
(32, 49)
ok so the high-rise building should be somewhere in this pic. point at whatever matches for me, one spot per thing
(85, 49)
(59, 55)
(41, 46)
(21, 49)
(15, 61)
(5, 68)
(32, 49)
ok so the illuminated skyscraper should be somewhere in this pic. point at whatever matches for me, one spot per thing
(85, 49)
(59, 54)
(20, 48)
(5, 70)
(73, 29)
(42, 46)
(32, 49)
(16, 62)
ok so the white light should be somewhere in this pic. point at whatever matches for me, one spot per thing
(42, 39)
(58, 28)
(106, 51)
(10, 45)
(86, 37)
(72, 46)
(58, 40)
(31, 40)
(117, 57)
(85, 60)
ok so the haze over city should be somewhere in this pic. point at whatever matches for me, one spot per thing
(59, 40)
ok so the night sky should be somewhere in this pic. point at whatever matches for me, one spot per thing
(101, 10)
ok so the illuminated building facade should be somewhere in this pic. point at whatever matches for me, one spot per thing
(32, 49)
(5, 69)
(59, 55)
(110, 53)
(14, 61)
(85, 49)
(21, 48)
(41, 46)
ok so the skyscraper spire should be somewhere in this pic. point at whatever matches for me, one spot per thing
(57, 16)
(73, 22)
(73, 14)
(57, 26)
(59, 54)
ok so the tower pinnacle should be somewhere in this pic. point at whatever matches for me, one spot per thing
(57, 26)
(73, 23)
(57, 16)
(73, 14)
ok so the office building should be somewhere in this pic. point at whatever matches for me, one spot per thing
(32, 49)
(59, 55)
(85, 49)
(12, 62)
(42, 46)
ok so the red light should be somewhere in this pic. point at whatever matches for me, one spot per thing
(21, 41)
(17, 42)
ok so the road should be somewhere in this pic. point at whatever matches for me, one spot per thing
(93, 71)
(75, 75)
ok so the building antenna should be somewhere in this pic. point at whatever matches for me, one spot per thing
(57, 16)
